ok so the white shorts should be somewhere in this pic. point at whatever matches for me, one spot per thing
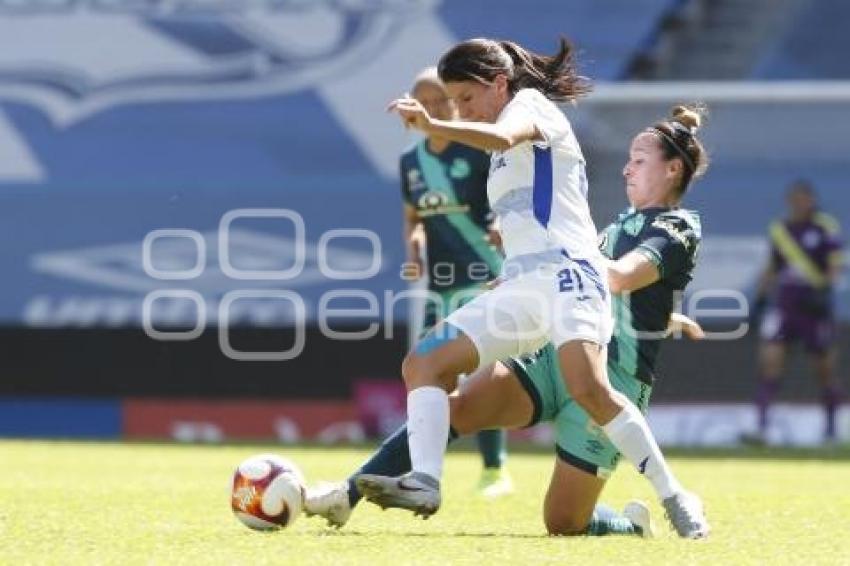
(558, 303)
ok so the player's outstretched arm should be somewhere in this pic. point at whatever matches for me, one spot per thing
(631, 272)
(499, 136)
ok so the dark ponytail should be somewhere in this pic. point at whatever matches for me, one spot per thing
(482, 60)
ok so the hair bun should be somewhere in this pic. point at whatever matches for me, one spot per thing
(689, 116)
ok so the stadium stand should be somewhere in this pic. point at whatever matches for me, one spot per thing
(715, 39)
(610, 34)
(821, 27)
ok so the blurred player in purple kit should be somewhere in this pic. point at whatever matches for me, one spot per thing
(795, 296)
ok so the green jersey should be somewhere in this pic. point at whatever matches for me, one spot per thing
(670, 239)
(449, 192)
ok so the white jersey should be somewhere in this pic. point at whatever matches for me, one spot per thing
(539, 192)
(538, 189)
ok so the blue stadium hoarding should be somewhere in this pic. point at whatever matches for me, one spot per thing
(60, 417)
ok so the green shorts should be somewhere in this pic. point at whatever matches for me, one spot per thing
(578, 440)
(450, 301)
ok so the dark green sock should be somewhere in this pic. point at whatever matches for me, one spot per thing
(493, 447)
(606, 521)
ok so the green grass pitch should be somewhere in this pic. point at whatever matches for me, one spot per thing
(102, 503)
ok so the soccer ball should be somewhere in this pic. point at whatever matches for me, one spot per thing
(267, 492)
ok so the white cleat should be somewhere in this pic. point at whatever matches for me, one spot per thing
(329, 501)
(685, 512)
(413, 491)
(638, 513)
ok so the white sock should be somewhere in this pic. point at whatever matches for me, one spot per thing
(630, 433)
(427, 429)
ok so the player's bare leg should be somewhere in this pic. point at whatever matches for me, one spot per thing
(585, 376)
(571, 507)
(490, 398)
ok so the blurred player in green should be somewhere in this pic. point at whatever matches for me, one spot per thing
(447, 220)
(651, 250)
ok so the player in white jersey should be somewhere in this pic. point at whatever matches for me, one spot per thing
(551, 288)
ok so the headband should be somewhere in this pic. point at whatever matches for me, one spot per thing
(676, 126)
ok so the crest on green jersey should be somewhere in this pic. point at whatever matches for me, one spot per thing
(460, 169)
(633, 224)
